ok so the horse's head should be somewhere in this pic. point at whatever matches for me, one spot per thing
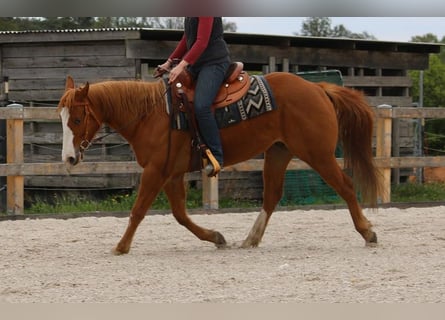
(79, 122)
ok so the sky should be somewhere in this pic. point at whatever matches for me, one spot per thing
(398, 29)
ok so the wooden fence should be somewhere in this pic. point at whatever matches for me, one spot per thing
(15, 168)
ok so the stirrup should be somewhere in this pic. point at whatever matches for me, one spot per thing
(212, 167)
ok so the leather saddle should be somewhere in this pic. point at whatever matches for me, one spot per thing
(235, 86)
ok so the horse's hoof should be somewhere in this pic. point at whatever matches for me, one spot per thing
(220, 242)
(372, 240)
(248, 244)
(118, 252)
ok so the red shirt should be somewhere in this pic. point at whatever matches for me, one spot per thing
(202, 40)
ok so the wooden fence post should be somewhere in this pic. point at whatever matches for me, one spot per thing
(14, 155)
(383, 148)
(285, 67)
(210, 192)
(395, 149)
(272, 64)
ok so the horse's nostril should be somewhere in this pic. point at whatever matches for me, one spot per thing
(72, 160)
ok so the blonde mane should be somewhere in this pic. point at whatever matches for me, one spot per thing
(125, 99)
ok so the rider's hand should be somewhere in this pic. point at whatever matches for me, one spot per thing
(177, 70)
(166, 65)
(162, 68)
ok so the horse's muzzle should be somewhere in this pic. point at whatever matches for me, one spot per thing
(72, 161)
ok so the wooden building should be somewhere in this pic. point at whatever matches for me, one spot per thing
(35, 64)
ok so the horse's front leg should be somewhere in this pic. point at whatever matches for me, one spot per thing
(176, 193)
(151, 184)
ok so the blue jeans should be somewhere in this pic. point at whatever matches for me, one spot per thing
(208, 82)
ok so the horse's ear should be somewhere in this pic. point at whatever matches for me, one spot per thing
(82, 93)
(69, 84)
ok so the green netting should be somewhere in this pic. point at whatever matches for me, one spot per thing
(333, 76)
(306, 186)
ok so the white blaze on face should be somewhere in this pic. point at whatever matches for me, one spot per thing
(68, 136)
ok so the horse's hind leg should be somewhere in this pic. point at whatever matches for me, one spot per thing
(330, 171)
(175, 191)
(276, 160)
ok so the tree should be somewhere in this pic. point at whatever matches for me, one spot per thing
(433, 83)
(59, 23)
(434, 94)
(18, 24)
(434, 76)
(229, 26)
(316, 27)
(321, 27)
(45, 23)
(427, 38)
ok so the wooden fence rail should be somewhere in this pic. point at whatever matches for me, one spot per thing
(15, 169)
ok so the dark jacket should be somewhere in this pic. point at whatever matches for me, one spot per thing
(216, 51)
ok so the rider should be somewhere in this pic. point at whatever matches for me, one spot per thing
(204, 52)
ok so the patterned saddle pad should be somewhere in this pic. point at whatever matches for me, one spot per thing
(258, 100)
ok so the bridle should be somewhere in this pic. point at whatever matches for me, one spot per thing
(85, 142)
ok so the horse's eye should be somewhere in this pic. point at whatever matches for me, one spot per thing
(76, 122)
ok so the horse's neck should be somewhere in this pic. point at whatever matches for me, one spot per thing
(117, 116)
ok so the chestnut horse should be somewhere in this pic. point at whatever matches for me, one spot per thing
(309, 120)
